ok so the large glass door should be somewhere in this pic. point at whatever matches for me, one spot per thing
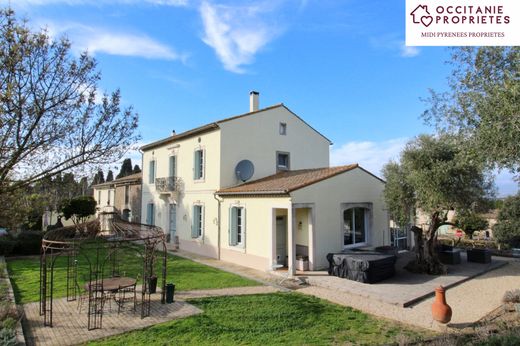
(354, 226)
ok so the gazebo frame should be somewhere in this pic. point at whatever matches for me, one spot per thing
(72, 242)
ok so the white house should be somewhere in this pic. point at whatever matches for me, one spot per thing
(256, 189)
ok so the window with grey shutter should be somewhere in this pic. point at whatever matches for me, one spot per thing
(198, 164)
(173, 166)
(150, 217)
(151, 172)
(197, 222)
(237, 226)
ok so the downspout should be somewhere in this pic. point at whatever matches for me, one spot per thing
(142, 180)
(219, 201)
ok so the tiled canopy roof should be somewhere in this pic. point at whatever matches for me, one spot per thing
(285, 182)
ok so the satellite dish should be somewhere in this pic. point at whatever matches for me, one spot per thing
(244, 170)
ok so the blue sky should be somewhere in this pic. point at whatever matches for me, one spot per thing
(341, 65)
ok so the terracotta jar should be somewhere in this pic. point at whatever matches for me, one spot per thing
(441, 311)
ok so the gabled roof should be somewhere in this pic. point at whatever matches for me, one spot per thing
(285, 182)
(215, 125)
(132, 178)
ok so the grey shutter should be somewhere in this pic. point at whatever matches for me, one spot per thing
(195, 223)
(243, 227)
(151, 172)
(172, 166)
(149, 214)
(233, 236)
(196, 165)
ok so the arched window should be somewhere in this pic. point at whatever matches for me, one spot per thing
(355, 226)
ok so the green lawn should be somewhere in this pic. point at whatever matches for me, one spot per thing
(269, 319)
(186, 274)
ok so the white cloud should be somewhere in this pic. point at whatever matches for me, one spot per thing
(97, 40)
(236, 33)
(392, 42)
(409, 51)
(370, 155)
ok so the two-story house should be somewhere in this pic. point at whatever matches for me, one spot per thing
(256, 189)
(122, 195)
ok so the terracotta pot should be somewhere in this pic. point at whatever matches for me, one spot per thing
(441, 311)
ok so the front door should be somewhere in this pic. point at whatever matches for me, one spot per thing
(173, 222)
(281, 240)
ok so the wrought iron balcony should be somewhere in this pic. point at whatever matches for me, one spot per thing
(167, 184)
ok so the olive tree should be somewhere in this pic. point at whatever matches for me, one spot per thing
(52, 118)
(507, 228)
(482, 103)
(433, 175)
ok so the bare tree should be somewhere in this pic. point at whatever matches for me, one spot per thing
(50, 118)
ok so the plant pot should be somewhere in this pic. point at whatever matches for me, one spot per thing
(302, 263)
(152, 284)
(441, 312)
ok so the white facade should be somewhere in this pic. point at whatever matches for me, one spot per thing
(243, 229)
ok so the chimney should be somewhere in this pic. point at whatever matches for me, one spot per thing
(253, 101)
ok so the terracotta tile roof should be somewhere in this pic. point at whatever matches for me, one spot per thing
(215, 125)
(285, 182)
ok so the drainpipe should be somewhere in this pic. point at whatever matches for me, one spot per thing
(219, 201)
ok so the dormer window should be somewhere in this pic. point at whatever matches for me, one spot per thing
(282, 161)
(283, 129)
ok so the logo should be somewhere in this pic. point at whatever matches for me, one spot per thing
(462, 22)
(421, 15)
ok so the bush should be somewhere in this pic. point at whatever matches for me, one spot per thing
(511, 296)
(507, 228)
(7, 245)
(28, 243)
(470, 222)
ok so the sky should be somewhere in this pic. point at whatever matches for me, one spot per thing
(340, 65)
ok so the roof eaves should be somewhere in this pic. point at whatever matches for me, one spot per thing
(193, 132)
(301, 186)
(252, 193)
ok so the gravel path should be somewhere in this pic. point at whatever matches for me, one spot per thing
(470, 301)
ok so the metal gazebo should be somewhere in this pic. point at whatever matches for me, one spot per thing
(99, 247)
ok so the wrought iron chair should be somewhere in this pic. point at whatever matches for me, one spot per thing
(125, 295)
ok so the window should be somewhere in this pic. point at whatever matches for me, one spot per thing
(197, 226)
(127, 194)
(283, 129)
(237, 216)
(355, 226)
(150, 214)
(282, 161)
(198, 162)
(173, 166)
(108, 198)
(99, 197)
(151, 172)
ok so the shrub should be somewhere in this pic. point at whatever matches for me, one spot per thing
(28, 243)
(511, 296)
(7, 245)
(7, 336)
(507, 228)
(470, 222)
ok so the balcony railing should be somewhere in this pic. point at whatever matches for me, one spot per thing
(167, 184)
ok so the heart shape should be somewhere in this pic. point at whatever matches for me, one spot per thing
(426, 20)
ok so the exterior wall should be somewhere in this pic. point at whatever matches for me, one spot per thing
(257, 250)
(104, 201)
(354, 186)
(134, 203)
(191, 191)
(257, 139)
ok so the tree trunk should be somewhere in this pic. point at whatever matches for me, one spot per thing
(426, 258)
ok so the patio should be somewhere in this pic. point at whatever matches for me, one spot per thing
(70, 325)
(404, 288)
